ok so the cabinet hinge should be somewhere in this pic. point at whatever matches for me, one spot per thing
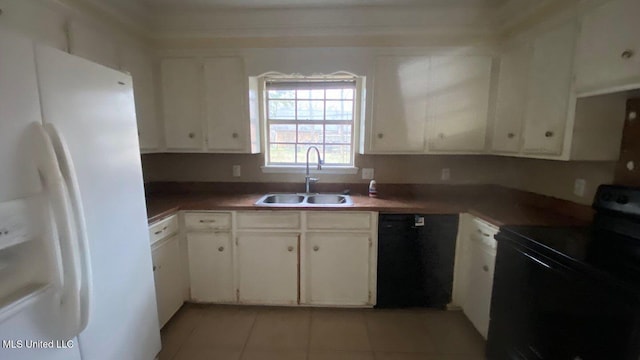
(236, 241)
(370, 242)
(237, 294)
(370, 296)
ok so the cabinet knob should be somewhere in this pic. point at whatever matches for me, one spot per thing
(290, 248)
(485, 268)
(440, 136)
(316, 248)
(234, 135)
(155, 268)
(192, 135)
(548, 134)
(627, 54)
(511, 135)
(380, 135)
(221, 248)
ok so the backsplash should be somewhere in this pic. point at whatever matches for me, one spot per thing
(551, 178)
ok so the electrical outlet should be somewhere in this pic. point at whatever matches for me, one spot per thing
(446, 174)
(579, 187)
(367, 173)
(236, 170)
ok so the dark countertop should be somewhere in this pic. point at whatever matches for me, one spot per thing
(497, 205)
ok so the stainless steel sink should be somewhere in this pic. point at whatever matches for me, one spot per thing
(282, 199)
(305, 200)
(329, 199)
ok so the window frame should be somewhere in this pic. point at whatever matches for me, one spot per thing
(358, 97)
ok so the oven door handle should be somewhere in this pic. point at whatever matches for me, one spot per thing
(540, 262)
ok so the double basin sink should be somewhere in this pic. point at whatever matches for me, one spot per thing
(305, 200)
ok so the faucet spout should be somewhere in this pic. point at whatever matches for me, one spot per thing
(308, 179)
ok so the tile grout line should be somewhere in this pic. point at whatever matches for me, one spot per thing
(308, 355)
(366, 324)
(184, 341)
(246, 341)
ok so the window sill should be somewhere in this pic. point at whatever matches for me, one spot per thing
(346, 170)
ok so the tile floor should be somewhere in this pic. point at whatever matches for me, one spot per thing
(218, 332)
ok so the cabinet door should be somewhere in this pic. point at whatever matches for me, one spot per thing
(479, 283)
(609, 47)
(211, 267)
(268, 268)
(167, 276)
(226, 107)
(458, 103)
(181, 102)
(549, 89)
(399, 104)
(512, 95)
(140, 65)
(336, 269)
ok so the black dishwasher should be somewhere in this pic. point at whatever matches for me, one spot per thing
(415, 260)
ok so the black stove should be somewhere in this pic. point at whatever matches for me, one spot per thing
(570, 292)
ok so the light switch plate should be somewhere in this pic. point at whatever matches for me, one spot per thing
(236, 170)
(367, 173)
(446, 174)
(579, 187)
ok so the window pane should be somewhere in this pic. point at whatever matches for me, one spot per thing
(339, 110)
(340, 94)
(282, 94)
(338, 154)
(310, 134)
(282, 133)
(310, 110)
(282, 109)
(311, 94)
(338, 134)
(282, 153)
(302, 154)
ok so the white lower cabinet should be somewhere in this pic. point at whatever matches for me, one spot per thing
(168, 278)
(479, 286)
(285, 257)
(474, 268)
(268, 268)
(211, 267)
(337, 269)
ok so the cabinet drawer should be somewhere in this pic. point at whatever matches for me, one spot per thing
(268, 220)
(207, 221)
(339, 220)
(163, 228)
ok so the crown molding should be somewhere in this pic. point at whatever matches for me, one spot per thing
(132, 20)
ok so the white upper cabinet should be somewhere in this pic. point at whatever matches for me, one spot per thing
(227, 111)
(608, 55)
(512, 96)
(549, 91)
(207, 106)
(181, 100)
(140, 65)
(458, 103)
(399, 104)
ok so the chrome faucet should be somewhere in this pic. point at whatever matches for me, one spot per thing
(308, 179)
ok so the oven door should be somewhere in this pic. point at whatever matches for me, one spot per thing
(541, 309)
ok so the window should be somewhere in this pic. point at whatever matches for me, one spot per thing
(304, 113)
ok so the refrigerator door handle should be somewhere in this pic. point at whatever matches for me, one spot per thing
(69, 174)
(68, 262)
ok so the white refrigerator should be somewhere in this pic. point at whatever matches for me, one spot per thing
(76, 278)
